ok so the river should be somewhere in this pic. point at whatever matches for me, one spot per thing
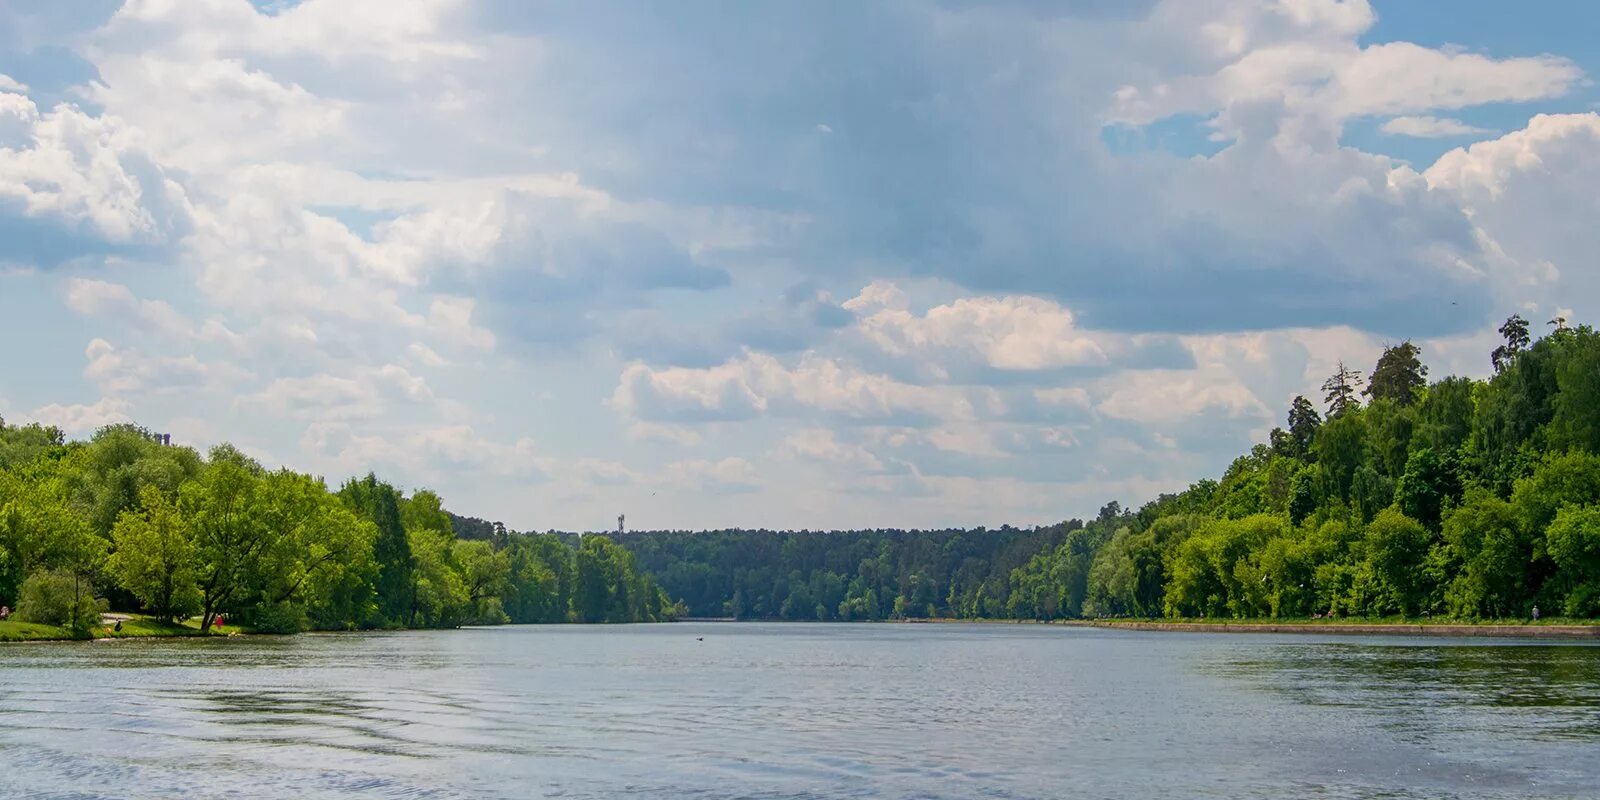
(746, 710)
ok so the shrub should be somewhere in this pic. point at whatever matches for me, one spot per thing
(62, 599)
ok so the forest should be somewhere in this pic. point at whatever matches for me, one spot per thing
(127, 522)
(1394, 497)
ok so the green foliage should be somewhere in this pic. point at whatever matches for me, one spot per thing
(61, 598)
(159, 528)
(1485, 558)
(1573, 540)
(1399, 376)
(1472, 498)
(396, 586)
(1339, 390)
(155, 557)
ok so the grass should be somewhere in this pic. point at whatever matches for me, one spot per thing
(13, 631)
(136, 627)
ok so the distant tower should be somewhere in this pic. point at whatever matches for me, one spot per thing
(620, 518)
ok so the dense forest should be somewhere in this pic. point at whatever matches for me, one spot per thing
(1397, 497)
(125, 521)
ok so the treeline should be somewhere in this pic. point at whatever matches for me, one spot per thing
(840, 575)
(126, 522)
(1460, 497)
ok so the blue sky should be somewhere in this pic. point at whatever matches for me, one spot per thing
(783, 264)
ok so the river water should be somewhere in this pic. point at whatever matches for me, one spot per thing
(799, 711)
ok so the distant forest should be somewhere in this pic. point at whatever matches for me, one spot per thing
(1393, 496)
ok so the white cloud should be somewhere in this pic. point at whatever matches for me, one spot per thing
(103, 299)
(364, 394)
(125, 371)
(87, 172)
(79, 420)
(1006, 333)
(756, 384)
(820, 444)
(425, 355)
(681, 435)
(1304, 58)
(450, 319)
(1531, 194)
(423, 454)
(1426, 127)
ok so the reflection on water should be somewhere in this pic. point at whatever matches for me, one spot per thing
(792, 711)
(1534, 691)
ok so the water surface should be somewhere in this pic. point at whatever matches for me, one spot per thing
(799, 711)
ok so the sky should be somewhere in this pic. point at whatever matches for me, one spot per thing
(783, 265)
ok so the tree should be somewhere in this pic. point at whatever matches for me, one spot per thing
(155, 557)
(1399, 375)
(1295, 442)
(1576, 405)
(396, 587)
(1515, 331)
(1427, 484)
(1395, 546)
(1485, 558)
(1340, 389)
(1444, 417)
(224, 513)
(1574, 543)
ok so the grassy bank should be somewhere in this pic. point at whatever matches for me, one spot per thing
(134, 627)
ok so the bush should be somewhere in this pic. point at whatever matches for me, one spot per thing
(277, 618)
(62, 599)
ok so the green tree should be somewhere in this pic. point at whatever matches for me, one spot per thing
(396, 586)
(155, 557)
(1515, 331)
(1485, 557)
(1399, 376)
(1427, 484)
(1574, 542)
(1340, 390)
(1395, 548)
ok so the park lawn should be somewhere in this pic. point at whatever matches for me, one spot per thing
(142, 626)
(13, 631)
(134, 628)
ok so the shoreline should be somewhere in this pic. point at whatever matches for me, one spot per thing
(1443, 629)
(26, 633)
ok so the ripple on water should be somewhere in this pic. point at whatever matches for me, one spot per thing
(797, 711)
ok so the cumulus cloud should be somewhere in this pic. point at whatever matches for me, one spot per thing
(125, 371)
(820, 444)
(78, 420)
(1006, 333)
(756, 384)
(1531, 197)
(365, 394)
(72, 183)
(1426, 127)
(103, 299)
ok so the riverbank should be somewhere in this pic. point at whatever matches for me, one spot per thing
(133, 627)
(1541, 630)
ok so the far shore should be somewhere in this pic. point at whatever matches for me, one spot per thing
(1551, 629)
(138, 627)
